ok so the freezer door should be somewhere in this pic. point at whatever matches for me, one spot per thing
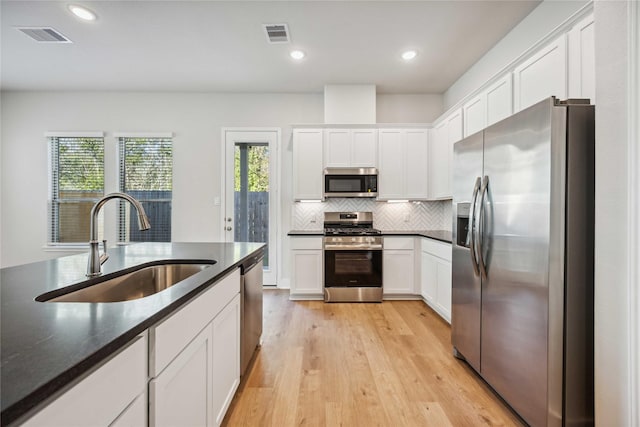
(466, 298)
(515, 252)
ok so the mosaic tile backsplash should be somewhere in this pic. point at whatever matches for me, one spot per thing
(386, 216)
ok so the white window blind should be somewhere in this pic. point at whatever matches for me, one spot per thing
(77, 182)
(146, 173)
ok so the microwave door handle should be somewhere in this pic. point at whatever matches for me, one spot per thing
(481, 223)
(472, 226)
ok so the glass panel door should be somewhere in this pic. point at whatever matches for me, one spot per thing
(250, 207)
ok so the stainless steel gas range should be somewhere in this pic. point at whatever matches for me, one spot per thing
(352, 258)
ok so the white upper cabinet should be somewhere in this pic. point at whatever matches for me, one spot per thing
(417, 159)
(403, 171)
(490, 106)
(499, 100)
(542, 75)
(350, 148)
(444, 135)
(582, 65)
(307, 164)
(391, 176)
(475, 114)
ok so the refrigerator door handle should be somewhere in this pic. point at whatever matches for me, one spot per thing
(472, 227)
(480, 228)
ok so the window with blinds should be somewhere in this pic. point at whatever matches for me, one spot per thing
(146, 173)
(77, 183)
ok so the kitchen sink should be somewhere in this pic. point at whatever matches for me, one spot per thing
(145, 281)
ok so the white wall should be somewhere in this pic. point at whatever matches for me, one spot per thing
(541, 21)
(418, 108)
(195, 119)
(613, 325)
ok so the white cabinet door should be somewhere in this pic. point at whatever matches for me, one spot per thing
(542, 75)
(101, 397)
(438, 158)
(417, 160)
(428, 278)
(135, 415)
(226, 358)
(391, 173)
(446, 133)
(398, 272)
(350, 148)
(337, 148)
(307, 276)
(404, 164)
(499, 100)
(475, 114)
(182, 394)
(307, 164)
(443, 299)
(582, 65)
(364, 148)
(436, 276)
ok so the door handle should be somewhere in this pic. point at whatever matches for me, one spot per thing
(481, 220)
(472, 226)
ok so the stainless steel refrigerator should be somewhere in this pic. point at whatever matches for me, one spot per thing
(523, 232)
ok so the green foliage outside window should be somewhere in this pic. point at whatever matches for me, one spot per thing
(80, 164)
(148, 165)
(258, 170)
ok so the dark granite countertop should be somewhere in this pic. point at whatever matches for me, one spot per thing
(441, 235)
(46, 346)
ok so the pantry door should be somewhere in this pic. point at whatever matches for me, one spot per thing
(250, 187)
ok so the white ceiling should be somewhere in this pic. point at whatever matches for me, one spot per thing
(216, 46)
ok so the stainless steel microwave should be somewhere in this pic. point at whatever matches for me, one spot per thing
(350, 182)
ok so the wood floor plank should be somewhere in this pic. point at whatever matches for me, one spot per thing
(387, 364)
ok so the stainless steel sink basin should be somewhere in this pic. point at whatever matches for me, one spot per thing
(146, 281)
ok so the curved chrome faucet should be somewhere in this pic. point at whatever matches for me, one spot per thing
(95, 259)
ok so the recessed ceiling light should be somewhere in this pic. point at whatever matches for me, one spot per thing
(297, 54)
(82, 12)
(409, 55)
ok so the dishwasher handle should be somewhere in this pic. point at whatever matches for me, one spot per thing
(251, 263)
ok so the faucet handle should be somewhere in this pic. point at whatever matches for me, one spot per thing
(105, 256)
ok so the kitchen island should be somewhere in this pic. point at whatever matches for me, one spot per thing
(47, 346)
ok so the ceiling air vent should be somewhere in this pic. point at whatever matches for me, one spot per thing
(277, 33)
(44, 34)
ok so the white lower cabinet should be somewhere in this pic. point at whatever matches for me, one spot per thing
(435, 276)
(307, 276)
(107, 396)
(182, 393)
(135, 415)
(398, 266)
(226, 358)
(195, 359)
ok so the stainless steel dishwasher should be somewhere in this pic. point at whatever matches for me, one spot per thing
(250, 308)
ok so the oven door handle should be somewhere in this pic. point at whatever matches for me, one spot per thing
(363, 247)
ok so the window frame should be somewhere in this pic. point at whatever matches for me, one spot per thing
(53, 185)
(121, 138)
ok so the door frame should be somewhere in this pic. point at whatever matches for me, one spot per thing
(274, 190)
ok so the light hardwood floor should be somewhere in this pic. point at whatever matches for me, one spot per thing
(386, 364)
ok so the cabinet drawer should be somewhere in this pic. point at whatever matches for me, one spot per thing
(174, 333)
(436, 248)
(314, 242)
(99, 398)
(399, 243)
